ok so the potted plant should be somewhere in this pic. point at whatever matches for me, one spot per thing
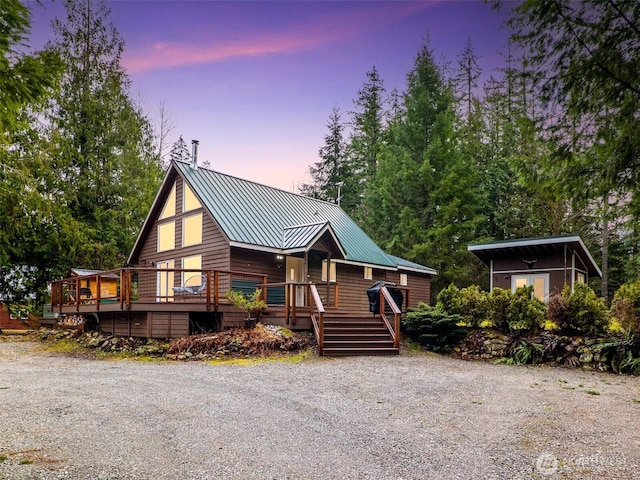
(252, 304)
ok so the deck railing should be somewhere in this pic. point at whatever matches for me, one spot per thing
(315, 304)
(151, 285)
(387, 299)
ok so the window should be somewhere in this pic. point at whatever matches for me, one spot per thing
(368, 273)
(404, 281)
(332, 271)
(581, 277)
(539, 281)
(169, 209)
(192, 278)
(192, 230)
(166, 236)
(189, 199)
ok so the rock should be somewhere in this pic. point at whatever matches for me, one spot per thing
(586, 357)
(94, 343)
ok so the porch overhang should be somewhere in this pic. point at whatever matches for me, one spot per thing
(302, 238)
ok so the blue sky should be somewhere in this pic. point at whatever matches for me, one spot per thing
(255, 82)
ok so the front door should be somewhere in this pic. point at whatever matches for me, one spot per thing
(539, 281)
(165, 281)
(295, 274)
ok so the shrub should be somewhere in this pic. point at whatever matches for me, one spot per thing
(470, 303)
(626, 307)
(580, 311)
(525, 312)
(497, 307)
(433, 327)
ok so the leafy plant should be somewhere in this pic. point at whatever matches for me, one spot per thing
(626, 307)
(470, 303)
(580, 311)
(525, 313)
(252, 304)
(433, 327)
(524, 352)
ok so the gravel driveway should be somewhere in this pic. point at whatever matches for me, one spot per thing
(415, 416)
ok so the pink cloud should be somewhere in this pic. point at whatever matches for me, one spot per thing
(324, 29)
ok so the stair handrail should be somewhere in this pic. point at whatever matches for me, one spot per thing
(385, 296)
(318, 323)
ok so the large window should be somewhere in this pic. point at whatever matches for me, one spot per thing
(332, 271)
(192, 278)
(192, 230)
(189, 200)
(169, 209)
(166, 236)
(539, 281)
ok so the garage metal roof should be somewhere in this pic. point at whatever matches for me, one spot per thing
(535, 247)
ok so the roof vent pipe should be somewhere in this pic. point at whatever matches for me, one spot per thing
(194, 154)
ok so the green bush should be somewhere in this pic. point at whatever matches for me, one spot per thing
(498, 304)
(433, 327)
(470, 303)
(626, 307)
(580, 311)
(525, 313)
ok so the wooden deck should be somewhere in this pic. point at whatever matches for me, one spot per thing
(167, 303)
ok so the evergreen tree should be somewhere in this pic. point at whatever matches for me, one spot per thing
(329, 175)
(28, 241)
(102, 143)
(180, 151)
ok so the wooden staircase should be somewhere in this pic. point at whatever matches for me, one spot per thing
(352, 335)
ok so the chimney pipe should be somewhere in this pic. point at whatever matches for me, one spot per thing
(194, 154)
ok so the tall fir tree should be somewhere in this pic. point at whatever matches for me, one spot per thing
(330, 179)
(103, 152)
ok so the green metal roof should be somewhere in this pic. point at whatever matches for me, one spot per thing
(408, 265)
(254, 214)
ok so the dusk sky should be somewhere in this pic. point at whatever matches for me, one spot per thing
(255, 82)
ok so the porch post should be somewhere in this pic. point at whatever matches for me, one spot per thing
(329, 278)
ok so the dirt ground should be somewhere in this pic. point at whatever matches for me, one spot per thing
(414, 416)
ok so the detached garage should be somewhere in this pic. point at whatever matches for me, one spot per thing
(547, 263)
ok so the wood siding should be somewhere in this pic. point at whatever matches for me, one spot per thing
(256, 262)
(559, 272)
(214, 248)
(352, 286)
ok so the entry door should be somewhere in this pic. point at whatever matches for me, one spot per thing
(165, 281)
(539, 281)
(295, 274)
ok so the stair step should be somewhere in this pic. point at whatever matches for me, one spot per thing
(342, 351)
(355, 335)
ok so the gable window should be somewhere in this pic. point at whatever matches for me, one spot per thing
(166, 236)
(169, 209)
(404, 280)
(539, 281)
(581, 278)
(368, 273)
(332, 271)
(190, 279)
(192, 230)
(189, 199)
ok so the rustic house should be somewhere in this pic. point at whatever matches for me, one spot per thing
(208, 233)
(547, 263)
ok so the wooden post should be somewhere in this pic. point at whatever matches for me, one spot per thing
(216, 289)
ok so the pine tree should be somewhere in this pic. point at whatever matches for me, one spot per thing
(179, 151)
(329, 174)
(102, 143)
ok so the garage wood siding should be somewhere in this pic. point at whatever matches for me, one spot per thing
(505, 268)
(214, 247)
